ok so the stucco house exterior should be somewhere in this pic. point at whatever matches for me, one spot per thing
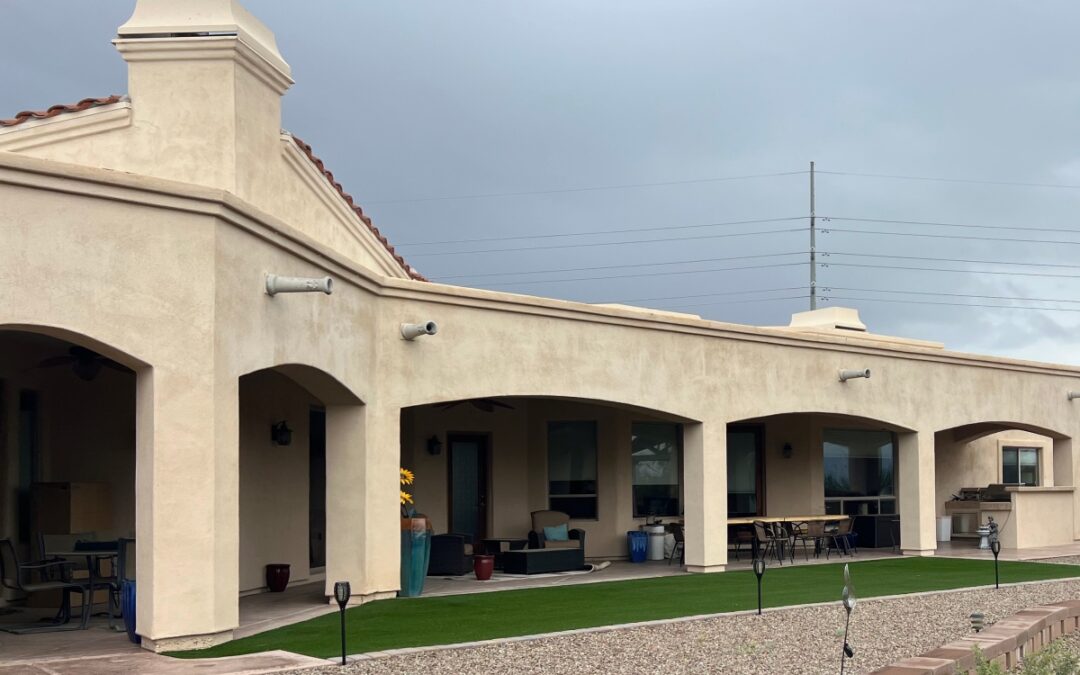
(141, 351)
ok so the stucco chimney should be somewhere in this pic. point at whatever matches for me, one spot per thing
(205, 80)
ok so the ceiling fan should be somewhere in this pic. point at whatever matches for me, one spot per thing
(484, 404)
(85, 363)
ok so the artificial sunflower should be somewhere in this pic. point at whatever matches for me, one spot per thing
(406, 498)
(407, 477)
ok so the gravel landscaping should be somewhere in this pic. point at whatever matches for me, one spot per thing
(797, 640)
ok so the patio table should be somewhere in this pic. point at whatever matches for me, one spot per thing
(93, 558)
(754, 548)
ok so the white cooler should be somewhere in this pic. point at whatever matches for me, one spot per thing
(656, 541)
(944, 528)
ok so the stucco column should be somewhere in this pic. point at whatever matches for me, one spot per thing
(705, 494)
(1065, 474)
(186, 517)
(917, 493)
(362, 511)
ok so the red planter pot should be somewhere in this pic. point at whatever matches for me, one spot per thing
(483, 566)
(277, 577)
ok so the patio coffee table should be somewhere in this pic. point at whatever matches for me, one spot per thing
(539, 560)
(497, 546)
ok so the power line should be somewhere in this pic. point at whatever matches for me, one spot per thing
(949, 236)
(738, 302)
(974, 181)
(652, 274)
(959, 260)
(951, 304)
(940, 269)
(937, 224)
(705, 295)
(950, 295)
(610, 267)
(628, 186)
(609, 243)
(594, 232)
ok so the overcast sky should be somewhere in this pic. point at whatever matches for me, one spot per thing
(411, 103)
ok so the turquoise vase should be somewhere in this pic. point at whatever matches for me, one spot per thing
(415, 554)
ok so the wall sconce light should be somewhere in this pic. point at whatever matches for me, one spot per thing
(846, 375)
(281, 434)
(786, 451)
(1074, 394)
(434, 445)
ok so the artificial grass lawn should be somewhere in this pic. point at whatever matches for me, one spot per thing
(422, 621)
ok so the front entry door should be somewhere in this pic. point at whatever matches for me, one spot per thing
(468, 485)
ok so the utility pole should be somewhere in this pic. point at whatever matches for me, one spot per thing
(813, 250)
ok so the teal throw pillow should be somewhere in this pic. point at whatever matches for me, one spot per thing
(559, 533)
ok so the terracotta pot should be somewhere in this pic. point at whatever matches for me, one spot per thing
(277, 577)
(483, 566)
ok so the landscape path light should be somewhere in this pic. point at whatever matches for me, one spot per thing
(342, 593)
(978, 621)
(759, 570)
(995, 548)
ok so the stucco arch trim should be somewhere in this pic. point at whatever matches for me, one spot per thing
(839, 416)
(106, 349)
(964, 433)
(321, 384)
(640, 407)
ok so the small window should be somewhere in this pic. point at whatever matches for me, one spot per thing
(572, 468)
(654, 461)
(1020, 466)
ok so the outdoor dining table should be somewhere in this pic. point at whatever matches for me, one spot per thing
(93, 557)
(755, 549)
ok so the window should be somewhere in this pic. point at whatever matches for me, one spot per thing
(860, 476)
(655, 463)
(1019, 466)
(744, 471)
(572, 468)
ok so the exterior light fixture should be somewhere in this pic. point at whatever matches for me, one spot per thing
(434, 445)
(759, 570)
(846, 374)
(1073, 394)
(281, 434)
(411, 331)
(786, 451)
(342, 593)
(276, 284)
(848, 598)
(978, 621)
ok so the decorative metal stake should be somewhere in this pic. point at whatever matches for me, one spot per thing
(995, 547)
(342, 592)
(759, 570)
(848, 597)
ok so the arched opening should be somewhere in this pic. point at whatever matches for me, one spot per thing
(816, 464)
(284, 411)
(1019, 475)
(483, 466)
(67, 462)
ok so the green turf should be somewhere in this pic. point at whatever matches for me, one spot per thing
(415, 622)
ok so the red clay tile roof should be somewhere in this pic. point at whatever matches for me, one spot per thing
(84, 104)
(88, 103)
(306, 149)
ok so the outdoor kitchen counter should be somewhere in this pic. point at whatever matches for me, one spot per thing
(1033, 517)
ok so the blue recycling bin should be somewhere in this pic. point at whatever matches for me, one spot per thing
(127, 607)
(638, 543)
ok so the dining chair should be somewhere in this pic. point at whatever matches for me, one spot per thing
(810, 531)
(676, 530)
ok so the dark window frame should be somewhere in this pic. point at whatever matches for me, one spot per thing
(594, 514)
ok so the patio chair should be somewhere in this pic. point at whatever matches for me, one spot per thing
(680, 543)
(766, 540)
(16, 576)
(811, 531)
(742, 537)
(542, 519)
(110, 582)
(894, 532)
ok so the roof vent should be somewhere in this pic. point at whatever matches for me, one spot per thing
(835, 318)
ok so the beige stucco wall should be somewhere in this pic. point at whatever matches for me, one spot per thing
(148, 237)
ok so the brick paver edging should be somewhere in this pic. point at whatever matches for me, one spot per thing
(1006, 642)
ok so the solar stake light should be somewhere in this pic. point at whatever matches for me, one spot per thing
(848, 598)
(759, 570)
(342, 593)
(978, 621)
